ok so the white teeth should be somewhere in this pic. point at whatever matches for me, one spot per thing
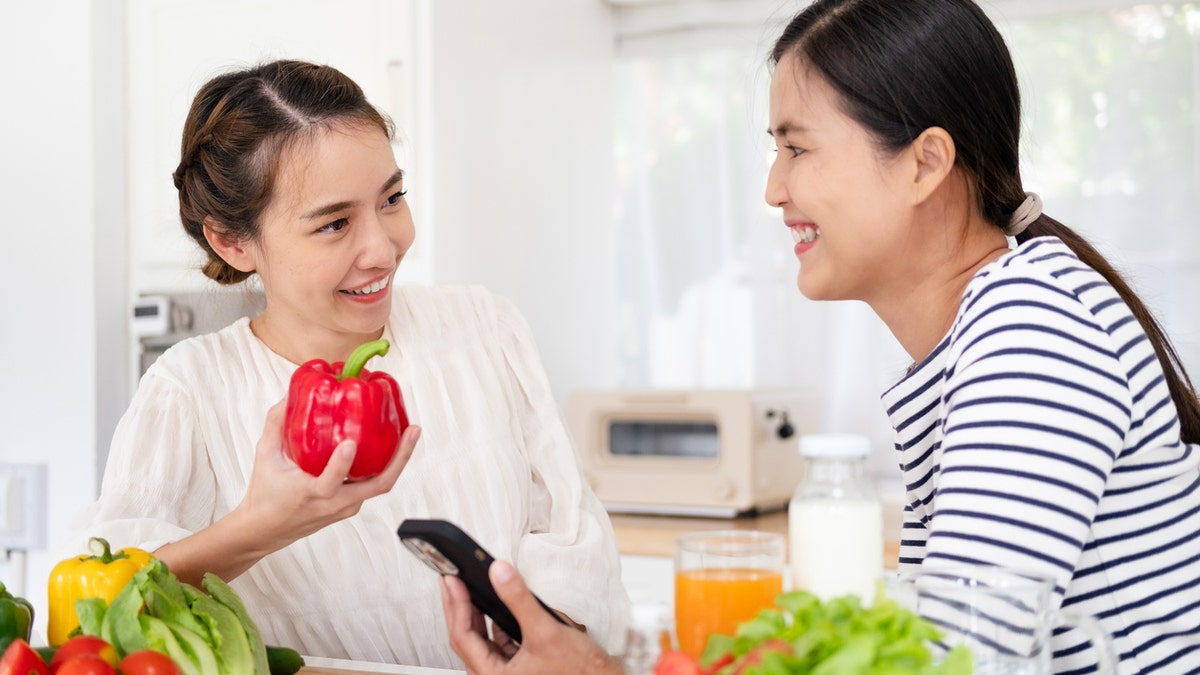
(373, 288)
(805, 235)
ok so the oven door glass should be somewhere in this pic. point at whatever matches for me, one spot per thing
(663, 439)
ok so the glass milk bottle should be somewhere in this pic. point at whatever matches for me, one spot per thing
(835, 520)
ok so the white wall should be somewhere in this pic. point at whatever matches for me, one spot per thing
(522, 123)
(49, 277)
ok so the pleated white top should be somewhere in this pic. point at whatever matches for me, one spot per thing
(494, 458)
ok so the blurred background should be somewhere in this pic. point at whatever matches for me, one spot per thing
(600, 162)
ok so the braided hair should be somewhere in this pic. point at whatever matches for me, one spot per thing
(235, 133)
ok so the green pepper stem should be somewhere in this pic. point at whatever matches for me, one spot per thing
(360, 356)
(102, 551)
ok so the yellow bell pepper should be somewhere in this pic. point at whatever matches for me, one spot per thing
(100, 575)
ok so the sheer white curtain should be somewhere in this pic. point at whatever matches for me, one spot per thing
(1111, 93)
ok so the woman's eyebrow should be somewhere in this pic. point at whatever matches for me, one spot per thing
(392, 180)
(785, 128)
(328, 209)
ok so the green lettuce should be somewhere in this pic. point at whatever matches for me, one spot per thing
(802, 635)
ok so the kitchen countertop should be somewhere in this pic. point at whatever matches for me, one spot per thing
(636, 535)
(655, 535)
(314, 665)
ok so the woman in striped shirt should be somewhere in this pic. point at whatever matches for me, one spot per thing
(1047, 423)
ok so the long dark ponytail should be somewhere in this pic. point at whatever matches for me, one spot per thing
(903, 66)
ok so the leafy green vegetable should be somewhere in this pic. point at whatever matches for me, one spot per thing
(802, 635)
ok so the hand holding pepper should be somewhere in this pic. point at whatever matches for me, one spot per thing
(325, 407)
(282, 504)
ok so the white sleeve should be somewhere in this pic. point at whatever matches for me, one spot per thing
(158, 484)
(1036, 410)
(569, 556)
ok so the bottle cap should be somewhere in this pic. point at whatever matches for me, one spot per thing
(834, 445)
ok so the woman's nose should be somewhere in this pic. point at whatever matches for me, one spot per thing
(776, 192)
(378, 250)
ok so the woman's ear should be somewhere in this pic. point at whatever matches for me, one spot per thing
(239, 254)
(933, 153)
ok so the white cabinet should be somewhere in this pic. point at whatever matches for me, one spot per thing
(177, 45)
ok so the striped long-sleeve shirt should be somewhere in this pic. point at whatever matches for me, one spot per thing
(1040, 435)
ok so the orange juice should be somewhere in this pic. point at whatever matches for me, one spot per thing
(717, 600)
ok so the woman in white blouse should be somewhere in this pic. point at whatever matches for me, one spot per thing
(287, 172)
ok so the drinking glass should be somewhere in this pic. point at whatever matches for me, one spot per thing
(1005, 617)
(650, 635)
(722, 579)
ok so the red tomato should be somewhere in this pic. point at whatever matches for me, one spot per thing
(149, 662)
(84, 645)
(676, 663)
(20, 659)
(85, 664)
(718, 664)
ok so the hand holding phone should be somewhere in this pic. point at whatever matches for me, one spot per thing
(448, 550)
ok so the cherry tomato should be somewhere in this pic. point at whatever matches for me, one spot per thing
(149, 662)
(20, 659)
(84, 645)
(85, 664)
(676, 663)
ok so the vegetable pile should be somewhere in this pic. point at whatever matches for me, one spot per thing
(803, 636)
(82, 655)
(203, 633)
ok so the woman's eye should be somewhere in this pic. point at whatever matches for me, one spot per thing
(335, 226)
(395, 199)
(796, 152)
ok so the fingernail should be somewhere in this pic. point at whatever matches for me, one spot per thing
(501, 572)
(348, 449)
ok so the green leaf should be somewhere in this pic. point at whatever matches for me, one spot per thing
(224, 594)
(171, 606)
(229, 640)
(161, 638)
(120, 626)
(718, 645)
(91, 614)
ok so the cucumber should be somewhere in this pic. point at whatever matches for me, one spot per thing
(283, 661)
(47, 653)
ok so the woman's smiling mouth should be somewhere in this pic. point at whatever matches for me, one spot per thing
(805, 234)
(371, 288)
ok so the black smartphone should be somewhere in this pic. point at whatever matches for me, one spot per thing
(448, 550)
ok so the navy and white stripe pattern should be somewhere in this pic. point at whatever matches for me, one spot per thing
(1040, 435)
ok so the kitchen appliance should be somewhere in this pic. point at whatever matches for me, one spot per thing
(159, 320)
(714, 453)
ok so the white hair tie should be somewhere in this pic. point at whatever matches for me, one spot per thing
(1029, 211)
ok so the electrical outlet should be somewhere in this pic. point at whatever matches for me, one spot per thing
(23, 505)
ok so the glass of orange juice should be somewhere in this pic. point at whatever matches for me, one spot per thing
(723, 578)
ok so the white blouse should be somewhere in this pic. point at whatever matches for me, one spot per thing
(494, 458)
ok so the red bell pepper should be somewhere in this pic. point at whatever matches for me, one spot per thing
(325, 407)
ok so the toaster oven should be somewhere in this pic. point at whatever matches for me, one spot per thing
(714, 453)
